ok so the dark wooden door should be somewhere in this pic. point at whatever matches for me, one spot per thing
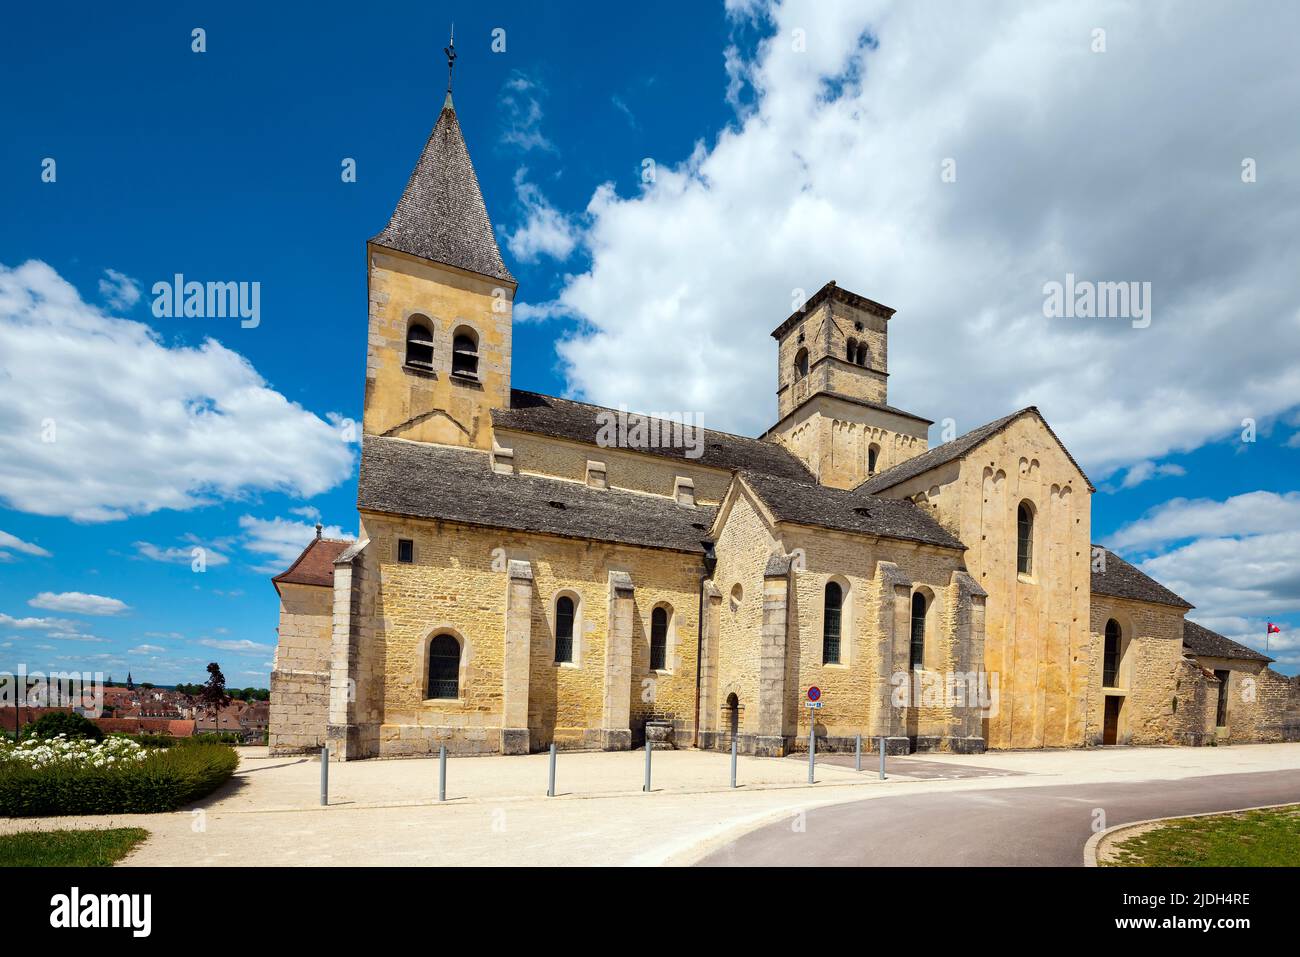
(1110, 730)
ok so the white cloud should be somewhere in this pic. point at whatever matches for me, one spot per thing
(281, 540)
(1122, 165)
(521, 111)
(1237, 560)
(1180, 519)
(307, 511)
(545, 230)
(242, 645)
(536, 312)
(78, 603)
(146, 650)
(100, 419)
(181, 554)
(14, 543)
(59, 628)
(62, 624)
(1146, 470)
(119, 290)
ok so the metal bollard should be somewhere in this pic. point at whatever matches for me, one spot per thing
(812, 749)
(324, 776)
(442, 773)
(647, 766)
(733, 760)
(857, 765)
(550, 788)
(882, 759)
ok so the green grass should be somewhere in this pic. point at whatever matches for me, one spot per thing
(69, 848)
(1268, 838)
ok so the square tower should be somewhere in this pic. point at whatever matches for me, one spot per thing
(837, 343)
(832, 375)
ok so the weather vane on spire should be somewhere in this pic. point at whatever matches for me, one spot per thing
(450, 50)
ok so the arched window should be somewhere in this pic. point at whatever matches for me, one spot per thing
(1025, 539)
(862, 355)
(916, 655)
(564, 629)
(1110, 663)
(851, 352)
(444, 667)
(419, 346)
(873, 455)
(832, 618)
(464, 353)
(800, 364)
(659, 639)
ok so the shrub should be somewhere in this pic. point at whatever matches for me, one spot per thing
(163, 780)
(68, 723)
(215, 737)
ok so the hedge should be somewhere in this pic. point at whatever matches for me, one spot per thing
(164, 781)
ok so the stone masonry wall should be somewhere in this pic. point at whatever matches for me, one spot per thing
(457, 585)
(432, 405)
(1037, 635)
(1149, 672)
(300, 679)
(634, 471)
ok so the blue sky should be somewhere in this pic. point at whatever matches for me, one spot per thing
(779, 163)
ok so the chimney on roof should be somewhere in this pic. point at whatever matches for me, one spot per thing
(318, 528)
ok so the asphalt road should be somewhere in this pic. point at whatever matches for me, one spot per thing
(1032, 826)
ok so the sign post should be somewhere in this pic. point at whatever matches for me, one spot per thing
(814, 702)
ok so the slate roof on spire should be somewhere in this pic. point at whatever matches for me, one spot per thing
(441, 215)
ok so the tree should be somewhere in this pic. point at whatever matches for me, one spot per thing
(53, 723)
(213, 694)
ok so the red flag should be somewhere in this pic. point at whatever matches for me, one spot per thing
(1273, 629)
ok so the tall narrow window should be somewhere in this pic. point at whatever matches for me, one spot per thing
(1110, 661)
(419, 346)
(832, 621)
(444, 667)
(405, 551)
(564, 629)
(800, 364)
(1025, 539)
(851, 353)
(862, 355)
(873, 455)
(916, 656)
(659, 639)
(464, 353)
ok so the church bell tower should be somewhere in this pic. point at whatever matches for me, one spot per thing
(440, 302)
(832, 390)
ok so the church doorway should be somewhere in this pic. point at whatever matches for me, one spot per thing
(733, 718)
(1221, 709)
(1110, 729)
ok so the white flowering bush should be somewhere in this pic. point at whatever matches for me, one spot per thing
(35, 752)
(61, 775)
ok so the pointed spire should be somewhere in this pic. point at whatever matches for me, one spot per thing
(441, 215)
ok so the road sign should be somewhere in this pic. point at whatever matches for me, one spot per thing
(814, 693)
(812, 704)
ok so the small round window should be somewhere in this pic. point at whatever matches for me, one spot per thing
(737, 595)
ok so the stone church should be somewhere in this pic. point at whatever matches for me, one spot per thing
(518, 579)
